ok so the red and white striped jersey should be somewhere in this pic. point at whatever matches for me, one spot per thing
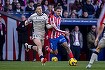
(54, 32)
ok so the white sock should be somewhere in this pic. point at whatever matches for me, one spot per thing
(29, 46)
(93, 58)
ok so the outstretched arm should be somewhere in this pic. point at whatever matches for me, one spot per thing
(100, 30)
(55, 27)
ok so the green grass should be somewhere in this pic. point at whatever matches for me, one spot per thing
(61, 65)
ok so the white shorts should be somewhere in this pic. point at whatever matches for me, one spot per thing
(38, 36)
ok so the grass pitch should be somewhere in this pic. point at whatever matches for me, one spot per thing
(61, 65)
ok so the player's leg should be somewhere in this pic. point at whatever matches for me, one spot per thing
(63, 42)
(39, 49)
(65, 45)
(95, 53)
(27, 47)
(53, 46)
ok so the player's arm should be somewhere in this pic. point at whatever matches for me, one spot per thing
(29, 20)
(49, 26)
(100, 30)
(55, 27)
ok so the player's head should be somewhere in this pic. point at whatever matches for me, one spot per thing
(39, 9)
(58, 10)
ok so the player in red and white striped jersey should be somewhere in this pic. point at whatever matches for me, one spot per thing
(55, 34)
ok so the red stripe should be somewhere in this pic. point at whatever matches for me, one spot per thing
(54, 33)
(102, 19)
(14, 51)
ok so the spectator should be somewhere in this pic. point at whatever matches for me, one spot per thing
(64, 4)
(49, 11)
(1, 6)
(88, 7)
(40, 2)
(98, 11)
(18, 8)
(96, 5)
(10, 8)
(6, 5)
(14, 4)
(22, 35)
(71, 2)
(91, 36)
(77, 5)
(22, 2)
(2, 38)
(45, 5)
(73, 15)
(76, 42)
(85, 15)
(65, 14)
(30, 7)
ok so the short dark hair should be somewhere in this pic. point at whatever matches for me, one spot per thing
(38, 5)
(31, 1)
(58, 7)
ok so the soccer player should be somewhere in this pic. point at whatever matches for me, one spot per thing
(39, 21)
(55, 34)
(101, 43)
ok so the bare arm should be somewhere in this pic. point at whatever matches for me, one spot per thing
(100, 30)
(54, 26)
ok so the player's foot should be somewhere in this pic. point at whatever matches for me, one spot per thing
(88, 66)
(43, 60)
(26, 47)
(34, 60)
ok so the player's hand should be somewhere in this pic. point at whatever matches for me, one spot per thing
(66, 32)
(96, 42)
(53, 25)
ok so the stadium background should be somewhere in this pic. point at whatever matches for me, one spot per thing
(10, 49)
(11, 20)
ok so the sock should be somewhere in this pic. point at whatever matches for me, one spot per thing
(30, 46)
(41, 56)
(93, 58)
(71, 55)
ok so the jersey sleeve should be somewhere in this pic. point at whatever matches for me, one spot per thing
(53, 22)
(30, 19)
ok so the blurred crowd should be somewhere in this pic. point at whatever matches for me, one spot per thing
(70, 8)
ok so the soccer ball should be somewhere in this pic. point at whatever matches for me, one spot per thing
(55, 59)
(72, 62)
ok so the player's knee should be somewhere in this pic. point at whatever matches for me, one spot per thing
(34, 48)
(98, 49)
(96, 52)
